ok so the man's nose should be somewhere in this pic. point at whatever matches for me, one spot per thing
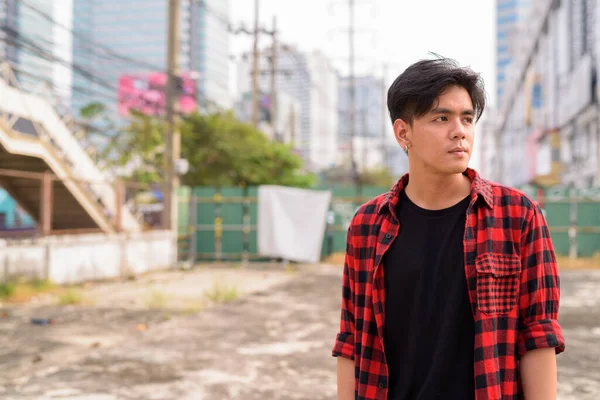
(459, 131)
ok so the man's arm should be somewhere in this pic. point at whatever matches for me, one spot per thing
(540, 337)
(538, 374)
(345, 378)
(344, 344)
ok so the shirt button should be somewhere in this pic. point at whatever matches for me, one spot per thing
(388, 236)
(382, 385)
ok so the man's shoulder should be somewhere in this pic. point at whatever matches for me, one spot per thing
(507, 196)
(367, 212)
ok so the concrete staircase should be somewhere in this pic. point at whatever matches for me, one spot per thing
(40, 157)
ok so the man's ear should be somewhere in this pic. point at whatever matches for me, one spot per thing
(402, 133)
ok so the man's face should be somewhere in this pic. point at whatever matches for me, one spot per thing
(440, 141)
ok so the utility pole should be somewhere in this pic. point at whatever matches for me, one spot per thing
(273, 100)
(172, 140)
(255, 71)
(351, 105)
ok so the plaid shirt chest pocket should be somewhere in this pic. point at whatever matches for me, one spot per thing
(497, 282)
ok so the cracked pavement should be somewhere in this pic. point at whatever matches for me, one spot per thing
(273, 342)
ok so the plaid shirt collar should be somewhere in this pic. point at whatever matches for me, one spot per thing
(480, 188)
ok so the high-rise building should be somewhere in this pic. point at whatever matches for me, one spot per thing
(548, 127)
(369, 107)
(27, 40)
(210, 57)
(324, 126)
(8, 34)
(371, 124)
(311, 80)
(511, 17)
(128, 37)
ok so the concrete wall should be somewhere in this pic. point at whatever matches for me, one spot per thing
(78, 258)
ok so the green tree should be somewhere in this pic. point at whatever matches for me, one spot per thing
(221, 151)
(98, 129)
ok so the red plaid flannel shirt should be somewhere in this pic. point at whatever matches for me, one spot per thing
(511, 274)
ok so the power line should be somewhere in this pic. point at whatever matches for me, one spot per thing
(56, 88)
(20, 41)
(14, 38)
(93, 45)
(32, 47)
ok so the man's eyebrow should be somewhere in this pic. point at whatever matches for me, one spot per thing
(441, 110)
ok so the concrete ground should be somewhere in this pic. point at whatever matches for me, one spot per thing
(172, 336)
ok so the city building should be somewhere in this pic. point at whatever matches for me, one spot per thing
(395, 158)
(287, 124)
(116, 38)
(368, 153)
(27, 42)
(369, 107)
(371, 122)
(546, 131)
(484, 153)
(8, 18)
(323, 137)
(311, 80)
(511, 17)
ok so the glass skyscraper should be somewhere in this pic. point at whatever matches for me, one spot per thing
(117, 37)
(509, 14)
(27, 40)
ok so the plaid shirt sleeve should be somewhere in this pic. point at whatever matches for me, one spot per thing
(540, 288)
(344, 344)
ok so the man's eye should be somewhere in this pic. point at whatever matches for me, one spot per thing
(440, 119)
(469, 120)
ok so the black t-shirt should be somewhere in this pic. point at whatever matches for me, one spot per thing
(429, 328)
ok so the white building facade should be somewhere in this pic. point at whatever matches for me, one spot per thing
(546, 132)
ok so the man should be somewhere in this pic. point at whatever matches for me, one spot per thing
(450, 283)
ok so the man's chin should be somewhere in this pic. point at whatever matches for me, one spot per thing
(457, 169)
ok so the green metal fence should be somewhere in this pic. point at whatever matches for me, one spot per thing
(221, 225)
(573, 217)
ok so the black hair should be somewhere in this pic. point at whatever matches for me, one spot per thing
(414, 92)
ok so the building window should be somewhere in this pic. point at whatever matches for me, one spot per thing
(503, 5)
(502, 49)
(503, 62)
(508, 19)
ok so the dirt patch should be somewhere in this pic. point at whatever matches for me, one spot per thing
(335, 259)
(579, 263)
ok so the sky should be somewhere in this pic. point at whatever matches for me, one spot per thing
(396, 32)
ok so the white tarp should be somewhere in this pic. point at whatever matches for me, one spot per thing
(291, 222)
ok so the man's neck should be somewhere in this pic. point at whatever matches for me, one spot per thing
(436, 192)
